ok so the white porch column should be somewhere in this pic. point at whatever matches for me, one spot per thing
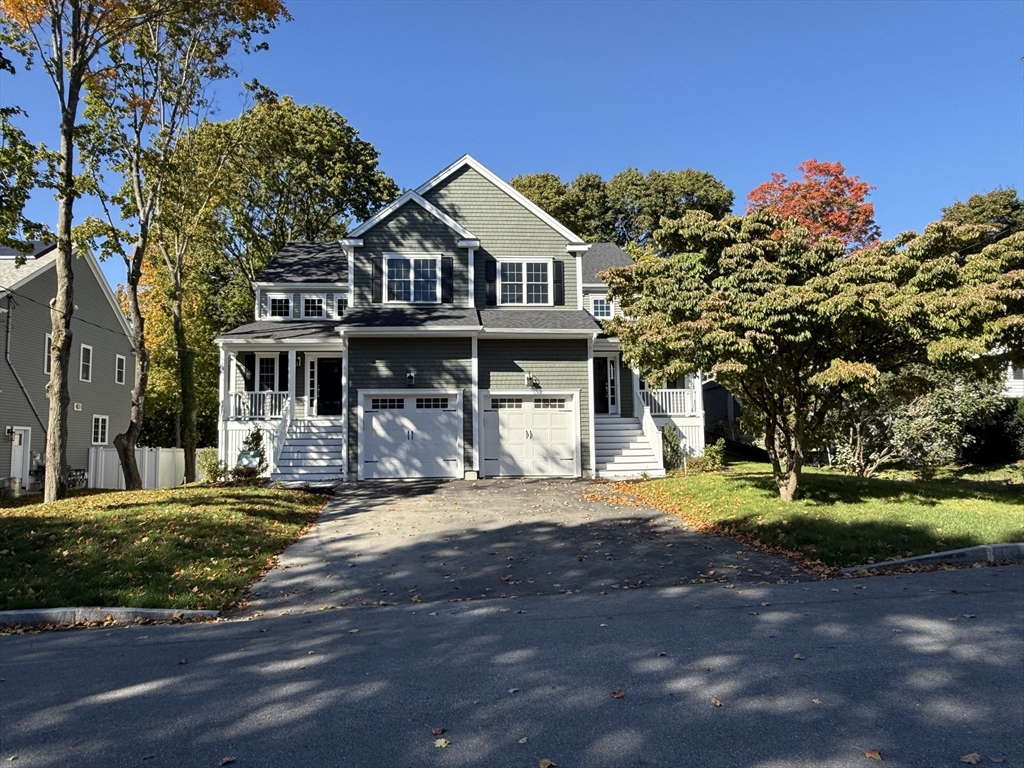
(476, 405)
(590, 403)
(471, 300)
(291, 385)
(225, 404)
(344, 409)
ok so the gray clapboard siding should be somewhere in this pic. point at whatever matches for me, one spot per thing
(556, 364)
(437, 363)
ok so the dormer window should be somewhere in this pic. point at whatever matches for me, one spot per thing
(280, 306)
(313, 307)
(602, 308)
(413, 279)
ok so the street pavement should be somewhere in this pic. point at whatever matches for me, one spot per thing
(925, 668)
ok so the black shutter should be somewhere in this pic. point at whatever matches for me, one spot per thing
(249, 364)
(282, 372)
(559, 283)
(491, 278)
(377, 283)
(447, 287)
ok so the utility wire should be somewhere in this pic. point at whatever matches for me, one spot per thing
(118, 331)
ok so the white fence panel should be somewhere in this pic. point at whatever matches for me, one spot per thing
(159, 467)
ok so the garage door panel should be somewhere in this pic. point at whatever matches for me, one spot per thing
(403, 441)
(529, 435)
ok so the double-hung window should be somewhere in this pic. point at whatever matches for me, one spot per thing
(526, 281)
(119, 367)
(313, 307)
(99, 429)
(267, 375)
(85, 364)
(280, 306)
(413, 279)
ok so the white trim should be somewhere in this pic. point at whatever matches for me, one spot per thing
(352, 242)
(309, 285)
(226, 364)
(106, 430)
(271, 297)
(413, 196)
(256, 307)
(323, 304)
(124, 369)
(469, 243)
(579, 280)
(344, 411)
(524, 260)
(575, 394)
(412, 258)
(81, 362)
(475, 357)
(292, 360)
(578, 248)
(606, 300)
(590, 405)
(505, 187)
(48, 359)
(471, 272)
(350, 253)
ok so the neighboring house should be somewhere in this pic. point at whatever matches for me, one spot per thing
(447, 336)
(100, 374)
(1014, 380)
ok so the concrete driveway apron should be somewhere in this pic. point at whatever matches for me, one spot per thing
(388, 543)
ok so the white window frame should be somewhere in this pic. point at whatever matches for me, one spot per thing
(259, 373)
(608, 302)
(81, 362)
(412, 258)
(280, 297)
(120, 369)
(524, 260)
(47, 360)
(106, 429)
(323, 306)
(338, 312)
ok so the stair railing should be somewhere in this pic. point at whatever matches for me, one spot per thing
(650, 429)
(281, 434)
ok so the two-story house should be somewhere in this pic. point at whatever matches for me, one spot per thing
(451, 335)
(101, 371)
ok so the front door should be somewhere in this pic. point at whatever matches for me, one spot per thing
(606, 385)
(328, 386)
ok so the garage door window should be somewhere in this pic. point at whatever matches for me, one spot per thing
(423, 403)
(499, 403)
(549, 402)
(387, 404)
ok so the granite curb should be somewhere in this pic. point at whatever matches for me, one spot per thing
(984, 553)
(71, 616)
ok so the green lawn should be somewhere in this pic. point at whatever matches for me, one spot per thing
(843, 521)
(189, 547)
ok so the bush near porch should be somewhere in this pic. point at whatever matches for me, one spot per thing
(843, 521)
(187, 547)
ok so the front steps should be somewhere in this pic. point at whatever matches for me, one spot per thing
(313, 452)
(622, 449)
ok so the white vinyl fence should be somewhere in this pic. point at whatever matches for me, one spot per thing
(159, 467)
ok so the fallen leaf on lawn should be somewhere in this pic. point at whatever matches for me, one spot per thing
(663, 654)
(226, 761)
(545, 763)
(522, 740)
(873, 754)
(798, 656)
(618, 693)
(970, 615)
(436, 731)
(815, 701)
(352, 631)
(716, 702)
(973, 759)
(513, 690)
(441, 743)
(183, 661)
(995, 758)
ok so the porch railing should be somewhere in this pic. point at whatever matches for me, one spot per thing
(650, 429)
(281, 435)
(670, 402)
(258, 405)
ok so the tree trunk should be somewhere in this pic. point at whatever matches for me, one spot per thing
(787, 463)
(126, 441)
(187, 380)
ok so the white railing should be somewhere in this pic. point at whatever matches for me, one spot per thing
(670, 402)
(650, 429)
(257, 405)
(282, 433)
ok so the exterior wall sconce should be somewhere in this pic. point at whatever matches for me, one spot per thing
(410, 379)
(532, 381)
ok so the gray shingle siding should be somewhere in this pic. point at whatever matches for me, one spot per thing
(29, 323)
(383, 364)
(504, 226)
(409, 230)
(556, 364)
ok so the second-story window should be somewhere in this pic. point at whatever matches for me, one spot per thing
(312, 306)
(280, 306)
(602, 307)
(119, 369)
(413, 280)
(85, 364)
(525, 282)
(341, 305)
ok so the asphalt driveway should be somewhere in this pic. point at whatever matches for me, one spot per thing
(389, 543)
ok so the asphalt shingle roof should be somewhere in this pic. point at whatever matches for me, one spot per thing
(42, 256)
(285, 329)
(538, 319)
(599, 257)
(303, 262)
(409, 317)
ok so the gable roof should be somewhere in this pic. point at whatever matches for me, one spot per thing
(306, 262)
(600, 257)
(504, 186)
(414, 197)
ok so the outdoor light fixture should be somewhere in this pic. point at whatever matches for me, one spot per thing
(532, 381)
(410, 379)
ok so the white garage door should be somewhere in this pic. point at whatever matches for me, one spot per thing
(529, 435)
(411, 435)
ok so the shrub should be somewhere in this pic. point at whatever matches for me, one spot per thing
(714, 455)
(672, 451)
(214, 470)
(1001, 440)
(252, 442)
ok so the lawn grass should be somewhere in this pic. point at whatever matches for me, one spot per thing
(187, 547)
(843, 521)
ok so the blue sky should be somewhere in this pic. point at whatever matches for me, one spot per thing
(923, 100)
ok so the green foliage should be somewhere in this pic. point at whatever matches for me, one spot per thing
(21, 170)
(1001, 438)
(213, 469)
(796, 327)
(671, 449)
(628, 208)
(252, 442)
(714, 455)
(1001, 210)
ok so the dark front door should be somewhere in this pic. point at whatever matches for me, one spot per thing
(600, 385)
(328, 386)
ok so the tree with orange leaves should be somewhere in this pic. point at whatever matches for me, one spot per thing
(827, 203)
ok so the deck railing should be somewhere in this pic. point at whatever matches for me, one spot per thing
(258, 405)
(650, 429)
(670, 402)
